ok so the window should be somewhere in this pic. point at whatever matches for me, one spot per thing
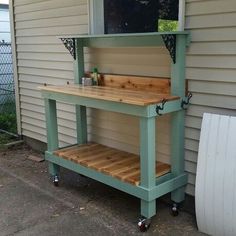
(137, 16)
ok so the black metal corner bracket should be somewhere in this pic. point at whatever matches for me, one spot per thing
(170, 43)
(186, 101)
(69, 43)
(160, 107)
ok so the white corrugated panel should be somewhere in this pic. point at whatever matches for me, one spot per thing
(216, 176)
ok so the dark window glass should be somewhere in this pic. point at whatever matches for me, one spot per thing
(136, 16)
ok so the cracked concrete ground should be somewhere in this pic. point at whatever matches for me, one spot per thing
(31, 205)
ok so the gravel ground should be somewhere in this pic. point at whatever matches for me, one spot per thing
(31, 205)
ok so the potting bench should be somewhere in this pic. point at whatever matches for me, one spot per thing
(139, 175)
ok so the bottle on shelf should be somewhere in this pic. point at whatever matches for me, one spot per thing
(95, 76)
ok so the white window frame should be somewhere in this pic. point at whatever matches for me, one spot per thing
(96, 16)
(181, 19)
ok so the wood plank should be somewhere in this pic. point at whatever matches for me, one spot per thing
(141, 98)
(130, 170)
(70, 152)
(35, 158)
(122, 166)
(73, 147)
(151, 84)
(103, 166)
(161, 169)
(104, 161)
(86, 155)
(102, 156)
(119, 164)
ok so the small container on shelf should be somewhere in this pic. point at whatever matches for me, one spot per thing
(95, 76)
(86, 81)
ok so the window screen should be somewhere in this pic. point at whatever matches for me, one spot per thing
(136, 16)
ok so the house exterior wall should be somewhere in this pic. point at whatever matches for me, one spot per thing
(41, 58)
(211, 69)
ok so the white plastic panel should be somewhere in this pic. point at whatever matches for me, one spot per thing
(216, 176)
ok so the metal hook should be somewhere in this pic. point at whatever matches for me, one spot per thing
(160, 107)
(186, 102)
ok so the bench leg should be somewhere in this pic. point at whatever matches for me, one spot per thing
(178, 195)
(177, 152)
(148, 162)
(51, 124)
(148, 209)
(54, 172)
(54, 169)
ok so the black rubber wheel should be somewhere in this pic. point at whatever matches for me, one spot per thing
(56, 180)
(174, 210)
(144, 224)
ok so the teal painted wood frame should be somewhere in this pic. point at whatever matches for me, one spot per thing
(177, 118)
(164, 184)
(51, 124)
(80, 110)
(125, 40)
(135, 110)
(52, 132)
(148, 162)
(150, 187)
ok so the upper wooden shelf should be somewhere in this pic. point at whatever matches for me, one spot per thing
(133, 97)
(125, 40)
(124, 35)
(154, 39)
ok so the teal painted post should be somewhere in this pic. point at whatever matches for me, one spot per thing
(148, 162)
(81, 116)
(81, 121)
(79, 61)
(52, 131)
(177, 118)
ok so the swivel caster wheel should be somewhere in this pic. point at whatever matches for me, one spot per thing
(56, 180)
(144, 224)
(174, 210)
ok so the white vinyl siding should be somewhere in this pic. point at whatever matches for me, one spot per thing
(122, 131)
(42, 58)
(211, 69)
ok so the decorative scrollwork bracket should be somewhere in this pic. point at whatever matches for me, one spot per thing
(69, 43)
(170, 43)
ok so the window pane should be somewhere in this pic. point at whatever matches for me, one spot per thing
(169, 9)
(136, 16)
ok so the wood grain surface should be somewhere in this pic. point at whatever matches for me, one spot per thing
(119, 164)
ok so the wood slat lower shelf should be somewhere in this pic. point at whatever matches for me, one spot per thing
(119, 164)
